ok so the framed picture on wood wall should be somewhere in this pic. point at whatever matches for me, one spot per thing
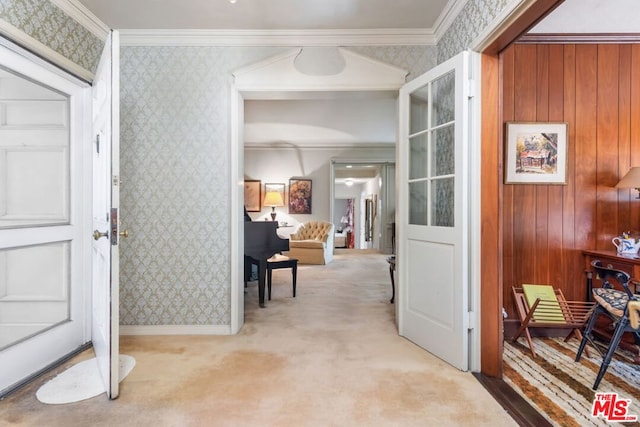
(252, 195)
(536, 153)
(299, 196)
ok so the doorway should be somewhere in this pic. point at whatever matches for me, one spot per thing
(279, 78)
(363, 203)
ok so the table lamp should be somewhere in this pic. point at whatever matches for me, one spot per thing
(631, 180)
(273, 199)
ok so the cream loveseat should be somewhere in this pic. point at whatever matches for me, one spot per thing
(312, 243)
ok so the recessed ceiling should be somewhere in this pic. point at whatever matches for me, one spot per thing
(268, 14)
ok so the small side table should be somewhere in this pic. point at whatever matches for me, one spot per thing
(281, 261)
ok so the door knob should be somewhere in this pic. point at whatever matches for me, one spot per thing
(97, 235)
(124, 233)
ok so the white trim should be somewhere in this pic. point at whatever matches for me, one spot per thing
(502, 21)
(9, 31)
(175, 330)
(236, 159)
(447, 17)
(475, 203)
(371, 37)
(83, 16)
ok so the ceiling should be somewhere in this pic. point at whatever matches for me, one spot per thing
(270, 14)
(425, 20)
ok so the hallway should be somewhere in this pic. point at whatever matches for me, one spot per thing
(329, 357)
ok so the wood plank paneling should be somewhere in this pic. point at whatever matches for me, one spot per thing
(596, 90)
(491, 325)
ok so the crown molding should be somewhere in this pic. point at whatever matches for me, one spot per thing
(83, 16)
(579, 38)
(372, 37)
(315, 145)
(447, 17)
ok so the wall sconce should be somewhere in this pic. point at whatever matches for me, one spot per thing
(273, 199)
(631, 180)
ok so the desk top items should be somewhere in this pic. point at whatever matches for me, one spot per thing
(626, 244)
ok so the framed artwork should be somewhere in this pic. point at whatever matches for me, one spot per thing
(299, 196)
(536, 153)
(279, 188)
(252, 195)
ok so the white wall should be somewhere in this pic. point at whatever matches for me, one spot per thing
(327, 121)
(277, 165)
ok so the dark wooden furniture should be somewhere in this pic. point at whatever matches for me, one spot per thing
(392, 268)
(261, 242)
(612, 302)
(630, 265)
(276, 262)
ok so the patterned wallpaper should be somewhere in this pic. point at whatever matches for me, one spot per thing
(46, 23)
(472, 20)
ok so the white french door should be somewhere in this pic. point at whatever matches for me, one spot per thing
(106, 182)
(433, 211)
(44, 223)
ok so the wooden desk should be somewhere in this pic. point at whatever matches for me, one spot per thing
(628, 264)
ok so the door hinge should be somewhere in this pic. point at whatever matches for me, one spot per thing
(470, 320)
(471, 93)
(116, 180)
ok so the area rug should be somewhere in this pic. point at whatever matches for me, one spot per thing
(560, 388)
(80, 382)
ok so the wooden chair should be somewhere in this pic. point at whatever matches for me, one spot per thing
(553, 312)
(614, 303)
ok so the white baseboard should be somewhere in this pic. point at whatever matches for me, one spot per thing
(175, 330)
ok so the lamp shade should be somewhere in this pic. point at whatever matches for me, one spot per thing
(273, 198)
(631, 179)
(344, 220)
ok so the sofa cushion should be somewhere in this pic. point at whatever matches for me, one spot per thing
(313, 244)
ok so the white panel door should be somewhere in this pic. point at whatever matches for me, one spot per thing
(105, 261)
(432, 211)
(43, 220)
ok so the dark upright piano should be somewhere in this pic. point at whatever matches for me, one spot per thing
(261, 242)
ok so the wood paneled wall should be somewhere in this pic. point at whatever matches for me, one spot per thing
(596, 90)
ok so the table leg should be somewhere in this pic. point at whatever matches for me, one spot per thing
(262, 270)
(294, 275)
(393, 284)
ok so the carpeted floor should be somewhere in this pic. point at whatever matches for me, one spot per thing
(560, 388)
(329, 357)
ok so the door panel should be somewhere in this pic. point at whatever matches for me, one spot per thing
(43, 316)
(34, 153)
(105, 267)
(432, 216)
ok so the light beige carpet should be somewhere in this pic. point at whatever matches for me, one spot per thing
(329, 357)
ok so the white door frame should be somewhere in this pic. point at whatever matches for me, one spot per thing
(278, 78)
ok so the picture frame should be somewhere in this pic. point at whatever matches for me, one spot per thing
(536, 153)
(300, 196)
(252, 195)
(279, 187)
